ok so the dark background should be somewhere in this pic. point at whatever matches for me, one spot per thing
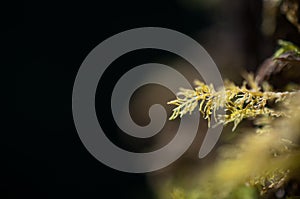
(45, 43)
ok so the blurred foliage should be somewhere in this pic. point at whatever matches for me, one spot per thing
(290, 9)
(285, 62)
(286, 47)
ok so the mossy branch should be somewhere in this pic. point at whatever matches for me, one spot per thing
(247, 101)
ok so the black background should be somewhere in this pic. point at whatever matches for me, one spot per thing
(45, 42)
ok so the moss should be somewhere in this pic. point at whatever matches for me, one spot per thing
(247, 101)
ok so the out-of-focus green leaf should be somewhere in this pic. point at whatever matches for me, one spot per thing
(243, 192)
(286, 46)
